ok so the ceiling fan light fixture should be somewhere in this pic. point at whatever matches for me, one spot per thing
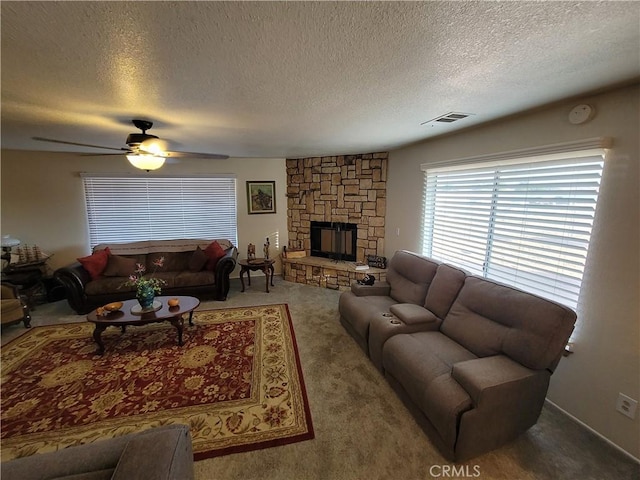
(145, 162)
(154, 146)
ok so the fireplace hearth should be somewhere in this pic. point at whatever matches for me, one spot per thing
(334, 240)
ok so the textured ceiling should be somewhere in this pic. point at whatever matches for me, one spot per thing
(291, 79)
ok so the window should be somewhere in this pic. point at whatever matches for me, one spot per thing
(521, 221)
(133, 208)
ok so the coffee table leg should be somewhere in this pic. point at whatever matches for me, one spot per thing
(96, 336)
(191, 318)
(178, 322)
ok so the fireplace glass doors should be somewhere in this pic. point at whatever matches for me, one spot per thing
(334, 240)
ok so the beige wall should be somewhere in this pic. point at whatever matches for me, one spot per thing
(607, 358)
(43, 199)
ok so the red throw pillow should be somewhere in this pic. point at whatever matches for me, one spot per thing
(214, 253)
(96, 262)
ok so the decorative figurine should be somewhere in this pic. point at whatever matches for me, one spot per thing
(266, 250)
(251, 252)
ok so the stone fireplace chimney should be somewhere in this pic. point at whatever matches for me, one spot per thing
(345, 189)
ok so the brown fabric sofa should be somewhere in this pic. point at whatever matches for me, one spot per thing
(184, 272)
(471, 358)
(163, 453)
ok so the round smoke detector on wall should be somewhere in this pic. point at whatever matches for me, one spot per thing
(581, 114)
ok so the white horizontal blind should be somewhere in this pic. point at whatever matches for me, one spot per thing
(134, 208)
(524, 224)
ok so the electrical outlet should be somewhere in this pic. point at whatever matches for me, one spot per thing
(626, 405)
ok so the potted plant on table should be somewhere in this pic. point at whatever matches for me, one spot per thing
(147, 287)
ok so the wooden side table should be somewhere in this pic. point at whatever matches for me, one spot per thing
(247, 266)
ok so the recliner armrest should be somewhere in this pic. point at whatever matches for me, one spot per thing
(498, 379)
(378, 289)
(413, 314)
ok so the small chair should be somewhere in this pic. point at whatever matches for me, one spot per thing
(13, 309)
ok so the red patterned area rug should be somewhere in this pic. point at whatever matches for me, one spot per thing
(236, 381)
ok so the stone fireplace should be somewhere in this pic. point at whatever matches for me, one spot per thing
(338, 190)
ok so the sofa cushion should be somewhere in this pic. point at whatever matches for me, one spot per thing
(409, 275)
(194, 279)
(198, 260)
(107, 285)
(214, 253)
(444, 289)
(169, 278)
(96, 262)
(380, 288)
(119, 266)
(489, 319)
(416, 359)
(422, 363)
(172, 261)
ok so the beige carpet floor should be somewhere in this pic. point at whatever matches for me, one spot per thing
(362, 430)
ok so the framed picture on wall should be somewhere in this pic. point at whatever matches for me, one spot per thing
(261, 197)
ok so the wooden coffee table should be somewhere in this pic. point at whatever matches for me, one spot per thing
(124, 317)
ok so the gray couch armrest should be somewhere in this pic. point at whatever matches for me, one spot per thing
(159, 454)
(507, 399)
(498, 379)
(378, 289)
(413, 314)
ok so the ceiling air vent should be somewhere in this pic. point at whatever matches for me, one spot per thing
(447, 118)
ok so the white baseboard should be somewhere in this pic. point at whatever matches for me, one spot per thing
(598, 434)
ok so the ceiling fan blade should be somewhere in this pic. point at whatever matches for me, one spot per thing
(101, 154)
(42, 139)
(156, 146)
(171, 154)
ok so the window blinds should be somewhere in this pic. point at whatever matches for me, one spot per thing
(523, 223)
(133, 208)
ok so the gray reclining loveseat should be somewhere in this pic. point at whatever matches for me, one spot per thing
(470, 358)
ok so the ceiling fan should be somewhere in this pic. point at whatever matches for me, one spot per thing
(144, 151)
